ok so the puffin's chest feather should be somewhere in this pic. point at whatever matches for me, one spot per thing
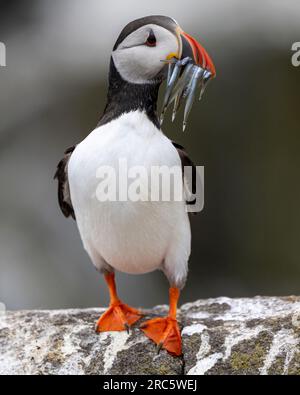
(131, 138)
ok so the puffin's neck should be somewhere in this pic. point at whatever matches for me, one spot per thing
(124, 97)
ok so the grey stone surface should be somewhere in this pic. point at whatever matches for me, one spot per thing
(220, 336)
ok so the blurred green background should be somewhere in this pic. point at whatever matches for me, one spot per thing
(246, 133)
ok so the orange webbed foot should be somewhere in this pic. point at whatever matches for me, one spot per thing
(165, 333)
(118, 317)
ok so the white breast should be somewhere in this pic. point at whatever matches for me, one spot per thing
(132, 237)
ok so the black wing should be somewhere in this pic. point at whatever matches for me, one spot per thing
(64, 197)
(190, 185)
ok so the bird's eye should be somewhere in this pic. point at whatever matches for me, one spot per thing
(151, 40)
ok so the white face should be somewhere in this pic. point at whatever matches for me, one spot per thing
(140, 63)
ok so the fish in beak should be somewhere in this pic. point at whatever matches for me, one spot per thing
(192, 69)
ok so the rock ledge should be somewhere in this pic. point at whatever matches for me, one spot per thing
(258, 335)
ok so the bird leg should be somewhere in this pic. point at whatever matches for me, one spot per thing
(119, 316)
(165, 331)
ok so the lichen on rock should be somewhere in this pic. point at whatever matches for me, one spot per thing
(220, 336)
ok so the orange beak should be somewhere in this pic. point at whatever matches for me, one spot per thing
(191, 48)
(189, 68)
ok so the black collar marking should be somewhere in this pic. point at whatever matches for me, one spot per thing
(124, 97)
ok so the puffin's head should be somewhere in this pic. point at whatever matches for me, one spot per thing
(147, 44)
(144, 49)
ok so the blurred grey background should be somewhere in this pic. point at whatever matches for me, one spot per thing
(246, 133)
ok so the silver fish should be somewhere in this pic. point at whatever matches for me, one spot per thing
(180, 87)
(198, 74)
(173, 75)
(204, 82)
(183, 82)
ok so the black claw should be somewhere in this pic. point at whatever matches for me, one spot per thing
(127, 327)
(159, 347)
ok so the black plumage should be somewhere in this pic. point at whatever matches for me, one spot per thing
(124, 97)
(64, 197)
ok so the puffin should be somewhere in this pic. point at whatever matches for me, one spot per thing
(138, 236)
